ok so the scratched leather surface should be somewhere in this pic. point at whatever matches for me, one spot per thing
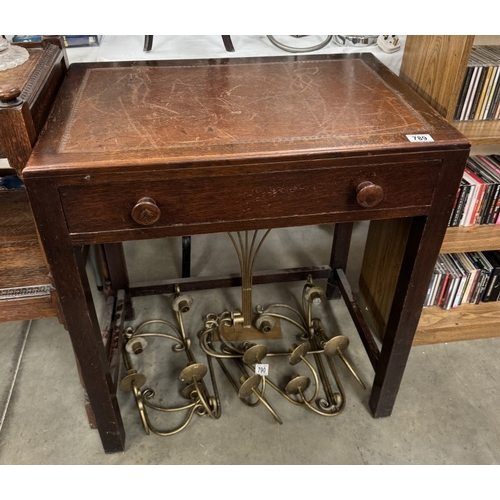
(231, 109)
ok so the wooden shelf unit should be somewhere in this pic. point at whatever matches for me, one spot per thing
(434, 66)
(23, 265)
(481, 133)
(471, 238)
(467, 321)
(25, 283)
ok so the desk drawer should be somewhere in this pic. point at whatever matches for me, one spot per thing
(215, 197)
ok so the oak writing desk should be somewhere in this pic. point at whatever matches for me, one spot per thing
(172, 148)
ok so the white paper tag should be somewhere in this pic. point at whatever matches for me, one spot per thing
(419, 138)
(261, 369)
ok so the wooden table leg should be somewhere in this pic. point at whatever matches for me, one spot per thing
(68, 269)
(421, 251)
(340, 253)
(118, 275)
(186, 256)
(402, 323)
(420, 254)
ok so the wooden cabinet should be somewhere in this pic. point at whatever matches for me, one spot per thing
(434, 66)
(25, 286)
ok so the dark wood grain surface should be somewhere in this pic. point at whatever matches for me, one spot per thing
(268, 195)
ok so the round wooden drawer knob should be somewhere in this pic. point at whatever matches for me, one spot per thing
(146, 212)
(369, 195)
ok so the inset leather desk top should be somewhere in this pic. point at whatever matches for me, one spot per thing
(171, 111)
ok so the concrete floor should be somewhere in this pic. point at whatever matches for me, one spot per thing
(446, 411)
